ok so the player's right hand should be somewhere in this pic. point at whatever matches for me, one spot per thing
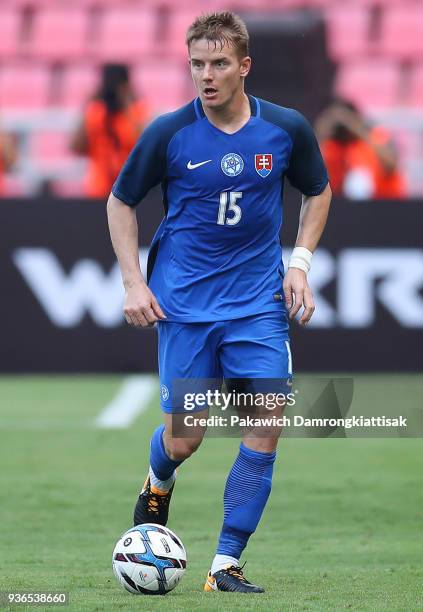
(298, 293)
(141, 308)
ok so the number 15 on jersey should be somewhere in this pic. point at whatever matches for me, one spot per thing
(229, 211)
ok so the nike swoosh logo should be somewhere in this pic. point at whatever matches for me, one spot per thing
(191, 166)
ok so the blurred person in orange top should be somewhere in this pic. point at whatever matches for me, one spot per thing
(112, 123)
(361, 159)
(8, 156)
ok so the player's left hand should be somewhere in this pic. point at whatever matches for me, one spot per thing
(298, 293)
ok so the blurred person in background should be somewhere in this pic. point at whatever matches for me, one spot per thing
(112, 123)
(361, 159)
(8, 155)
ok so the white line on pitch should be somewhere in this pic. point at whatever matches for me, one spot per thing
(131, 400)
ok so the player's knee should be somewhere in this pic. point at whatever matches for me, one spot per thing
(181, 448)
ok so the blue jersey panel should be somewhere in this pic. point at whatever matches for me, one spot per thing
(217, 253)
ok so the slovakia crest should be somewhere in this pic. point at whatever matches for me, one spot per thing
(264, 164)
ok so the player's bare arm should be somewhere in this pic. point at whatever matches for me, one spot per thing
(141, 307)
(313, 216)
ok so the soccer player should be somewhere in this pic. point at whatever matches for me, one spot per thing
(215, 269)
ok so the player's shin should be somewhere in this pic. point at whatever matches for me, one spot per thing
(246, 492)
(153, 502)
(162, 467)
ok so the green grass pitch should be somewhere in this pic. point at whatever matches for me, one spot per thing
(342, 530)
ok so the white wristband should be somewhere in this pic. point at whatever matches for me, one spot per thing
(300, 258)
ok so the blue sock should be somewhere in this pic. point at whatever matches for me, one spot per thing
(246, 493)
(162, 465)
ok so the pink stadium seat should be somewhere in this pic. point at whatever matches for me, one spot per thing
(69, 188)
(20, 4)
(24, 86)
(347, 31)
(165, 86)
(199, 5)
(59, 34)
(51, 4)
(406, 142)
(127, 34)
(78, 85)
(266, 5)
(10, 22)
(416, 87)
(34, 3)
(116, 4)
(402, 31)
(50, 148)
(13, 186)
(238, 5)
(377, 3)
(370, 84)
(317, 3)
(53, 159)
(179, 21)
(298, 4)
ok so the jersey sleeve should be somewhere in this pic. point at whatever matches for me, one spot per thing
(144, 168)
(307, 171)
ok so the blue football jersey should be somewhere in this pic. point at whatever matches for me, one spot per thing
(217, 255)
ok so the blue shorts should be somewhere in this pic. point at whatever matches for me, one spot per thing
(252, 347)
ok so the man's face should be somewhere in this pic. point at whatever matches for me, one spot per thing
(217, 72)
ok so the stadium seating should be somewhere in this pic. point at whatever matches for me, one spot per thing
(178, 23)
(164, 86)
(265, 5)
(54, 160)
(78, 84)
(200, 5)
(51, 50)
(416, 87)
(24, 86)
(126, 34)
(241, 6)
(25, 4)
(69, 188)
(58, 34)
(50, 147)
(370, 84)
(375, 3)
(402, 31)
(13, 186)
(405, 142)
(347, 31)
(10, 24)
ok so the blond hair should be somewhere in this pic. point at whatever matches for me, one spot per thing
(221, 28)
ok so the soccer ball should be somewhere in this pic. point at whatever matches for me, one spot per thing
(149, 559)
